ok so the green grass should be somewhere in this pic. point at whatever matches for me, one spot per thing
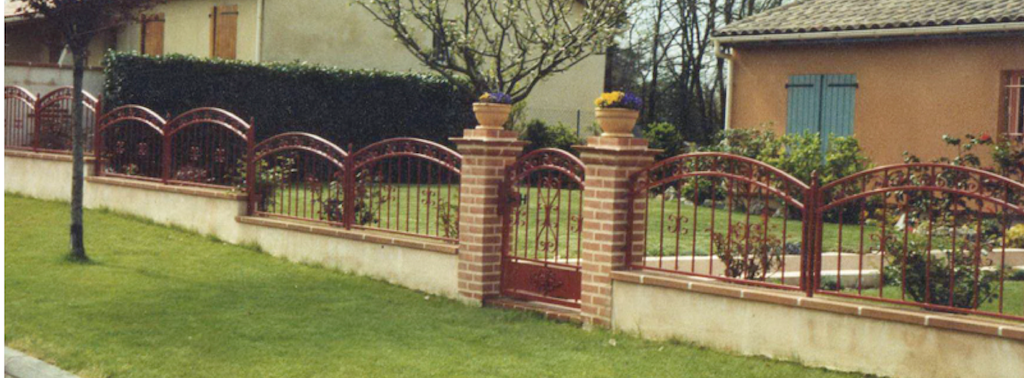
(1013, 297)
(158, 301)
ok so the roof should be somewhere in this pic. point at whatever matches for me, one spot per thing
(808, 16)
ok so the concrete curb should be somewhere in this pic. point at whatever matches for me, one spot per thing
(21, 365)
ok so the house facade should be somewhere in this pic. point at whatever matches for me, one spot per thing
(328, 32)
(896, 74)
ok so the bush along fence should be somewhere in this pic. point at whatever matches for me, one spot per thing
(43, 122)
(548, 226)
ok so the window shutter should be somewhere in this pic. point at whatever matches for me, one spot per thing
(153, 34)
(804, 111)
(837, 105)
(224, 31)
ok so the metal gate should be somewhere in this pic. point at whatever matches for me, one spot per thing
(542, 219)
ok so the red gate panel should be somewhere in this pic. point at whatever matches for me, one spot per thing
(542, 226)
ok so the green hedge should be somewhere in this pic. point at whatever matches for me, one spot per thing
(344, 106)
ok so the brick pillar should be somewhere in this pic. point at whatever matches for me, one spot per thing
(485, 154)
(610, 162)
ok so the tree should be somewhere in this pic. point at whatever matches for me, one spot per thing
(681, 78)
(78, 21)
(501, 45)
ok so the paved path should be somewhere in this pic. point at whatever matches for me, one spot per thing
(21, 365)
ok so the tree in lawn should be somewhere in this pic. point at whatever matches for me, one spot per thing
(78, 21)
(501, 45)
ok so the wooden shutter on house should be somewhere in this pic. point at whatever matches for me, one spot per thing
(837, 93)
(804, 109)
(153, 34)
(821, 104)
(224, 31)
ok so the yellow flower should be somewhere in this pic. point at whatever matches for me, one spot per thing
(609, 98)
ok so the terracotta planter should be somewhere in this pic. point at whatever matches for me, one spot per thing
(616, 122)
(491, 116)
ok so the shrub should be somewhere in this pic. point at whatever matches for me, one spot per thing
(665, 136)
(343, 106)
(1015, 236)
(541, 135)
(937, 289)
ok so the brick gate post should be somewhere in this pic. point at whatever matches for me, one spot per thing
(485, 154)
(610, 162)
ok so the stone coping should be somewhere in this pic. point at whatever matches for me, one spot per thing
(947, 322)
(358, 235)
(160, 187)
(52, 156)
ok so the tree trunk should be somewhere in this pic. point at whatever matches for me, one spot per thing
(78, 161)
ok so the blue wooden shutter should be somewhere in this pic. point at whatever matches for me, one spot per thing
(837, 94)
(804, 111)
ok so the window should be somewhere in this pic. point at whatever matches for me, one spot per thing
(1014, 94)
(224, 31)
(821, 104)
(152, 34)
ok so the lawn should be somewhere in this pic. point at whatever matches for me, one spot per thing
(158, 301)
(1013, 297)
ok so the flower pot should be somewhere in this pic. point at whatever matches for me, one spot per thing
(491, 116)
(616, 122)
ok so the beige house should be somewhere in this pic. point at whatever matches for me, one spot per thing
(897, 74)
(330, 32)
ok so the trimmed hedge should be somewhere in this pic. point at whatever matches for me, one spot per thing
(344, 106)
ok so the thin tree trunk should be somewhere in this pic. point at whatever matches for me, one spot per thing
(78, 162)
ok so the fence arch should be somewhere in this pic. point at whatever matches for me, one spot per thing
(299, 176)
(722, 216)
(129, 142)
(54, 119)
(215, 144)
(929, 235)
(406, 186)
(542, 224)
(19, 117)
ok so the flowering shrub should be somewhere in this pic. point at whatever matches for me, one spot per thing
(1015, 236)
(618, 100)
(495, 98)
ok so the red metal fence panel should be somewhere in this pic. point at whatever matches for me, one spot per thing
(129, 143)
(44, 123)
(297, 176)
(53, 120)
(542, 221)
(722, 216)
(405, 186)
(206, 147)
(928, 235)
(19, 118)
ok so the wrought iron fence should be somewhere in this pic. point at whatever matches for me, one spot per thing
(297, 176)
(721, 216)
(129, 143)
(206, 147)
(44, 123)
(405, 186)
(930, 235)
(926, 235)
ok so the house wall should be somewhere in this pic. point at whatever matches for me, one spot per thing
(43, 78)
(187, 28)
(338, 34)
(30, 41)
(910, 92)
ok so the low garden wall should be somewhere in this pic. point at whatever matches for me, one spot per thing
(421, 265)
(813, 331)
